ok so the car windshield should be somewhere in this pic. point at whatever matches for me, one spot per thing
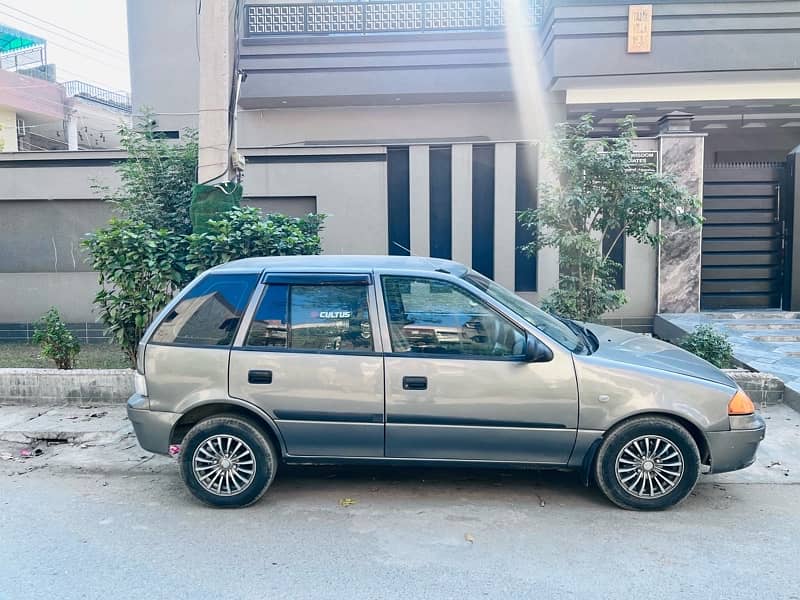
(546, 323)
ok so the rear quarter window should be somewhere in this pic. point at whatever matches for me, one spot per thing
(209, 313)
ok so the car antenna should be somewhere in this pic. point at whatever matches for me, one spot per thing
(404, 248)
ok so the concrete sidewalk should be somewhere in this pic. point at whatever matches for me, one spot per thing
(101, 439)
(103, 424)
(97, 439)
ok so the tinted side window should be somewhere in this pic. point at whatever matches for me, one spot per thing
(313, 317)
(429, 316)
(209, 313)
(270, 325)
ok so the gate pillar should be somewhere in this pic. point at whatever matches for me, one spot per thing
(679, 254)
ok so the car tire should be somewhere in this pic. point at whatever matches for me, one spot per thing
(647, 463)
(227, 462)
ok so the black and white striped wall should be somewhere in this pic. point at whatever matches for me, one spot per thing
(461, 201)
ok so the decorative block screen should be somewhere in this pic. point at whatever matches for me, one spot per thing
(338, 18)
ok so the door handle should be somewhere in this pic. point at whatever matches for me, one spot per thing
(259, 377)
(415, 383)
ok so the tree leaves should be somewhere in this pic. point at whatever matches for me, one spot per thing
(243, 232)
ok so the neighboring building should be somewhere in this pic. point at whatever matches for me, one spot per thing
(37, 113)
(415, 126)
(55, 139)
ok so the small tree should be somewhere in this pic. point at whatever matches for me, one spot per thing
(58, 343)
(599, 195)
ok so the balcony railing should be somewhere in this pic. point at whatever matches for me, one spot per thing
(365, 18)
(100, 95)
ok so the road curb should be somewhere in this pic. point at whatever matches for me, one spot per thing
(57, 387)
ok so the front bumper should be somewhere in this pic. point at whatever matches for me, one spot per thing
(153, 428)
(736, 449)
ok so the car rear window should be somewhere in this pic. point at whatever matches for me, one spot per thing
(209, 313)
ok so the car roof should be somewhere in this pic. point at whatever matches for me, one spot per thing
(341, 263)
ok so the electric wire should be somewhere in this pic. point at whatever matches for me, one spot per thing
(56, 26)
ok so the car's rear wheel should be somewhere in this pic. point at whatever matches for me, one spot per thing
(227, 462)
(648, 463)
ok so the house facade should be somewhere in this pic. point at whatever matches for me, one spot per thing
(418, 126)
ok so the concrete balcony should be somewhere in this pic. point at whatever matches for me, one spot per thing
(742, 44)
(376, 53)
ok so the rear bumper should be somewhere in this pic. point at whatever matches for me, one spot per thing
(736, 449)
(153, 428)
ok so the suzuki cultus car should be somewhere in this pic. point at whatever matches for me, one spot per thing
(417, 361)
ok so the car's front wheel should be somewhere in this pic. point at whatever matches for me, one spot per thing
(227, 462)
(648, 463)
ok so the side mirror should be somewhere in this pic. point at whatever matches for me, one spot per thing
(536, 351)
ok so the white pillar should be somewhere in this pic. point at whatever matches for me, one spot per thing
(72, 130)
(419, 199)
(215, 38)
(505, 213)
(462, 203)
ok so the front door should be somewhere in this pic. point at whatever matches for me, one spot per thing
(309, 359)
(458, 387)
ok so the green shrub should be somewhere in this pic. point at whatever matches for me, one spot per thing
(56, 340)
(707, 343)
(243, 232)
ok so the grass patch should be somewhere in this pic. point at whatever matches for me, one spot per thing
(92, 356)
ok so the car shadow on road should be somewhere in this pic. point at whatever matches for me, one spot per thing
(433, 483)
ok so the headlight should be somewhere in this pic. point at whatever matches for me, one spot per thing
(741, 404)
(140, 384)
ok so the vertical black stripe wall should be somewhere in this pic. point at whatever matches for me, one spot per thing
(525, 267)
(398, 196)
(483, 209)
(441, 201)
(617, 255)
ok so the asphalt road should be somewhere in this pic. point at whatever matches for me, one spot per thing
(395, 534)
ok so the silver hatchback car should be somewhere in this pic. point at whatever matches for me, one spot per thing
(418, 361)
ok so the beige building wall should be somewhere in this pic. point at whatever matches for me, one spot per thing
(47, 206)
(430, 123)
(350, 190)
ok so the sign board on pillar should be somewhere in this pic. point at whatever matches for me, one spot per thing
(645, 160)
(640, 28)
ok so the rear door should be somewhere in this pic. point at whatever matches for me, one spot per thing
(309, 359)
(457, 384)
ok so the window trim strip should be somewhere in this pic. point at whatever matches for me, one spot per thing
(317, 278)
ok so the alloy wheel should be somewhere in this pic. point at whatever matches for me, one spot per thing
(224, 465)
(649, 466)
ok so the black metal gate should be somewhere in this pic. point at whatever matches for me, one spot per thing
(743, 236)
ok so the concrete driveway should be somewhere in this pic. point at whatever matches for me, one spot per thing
(111, 522)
